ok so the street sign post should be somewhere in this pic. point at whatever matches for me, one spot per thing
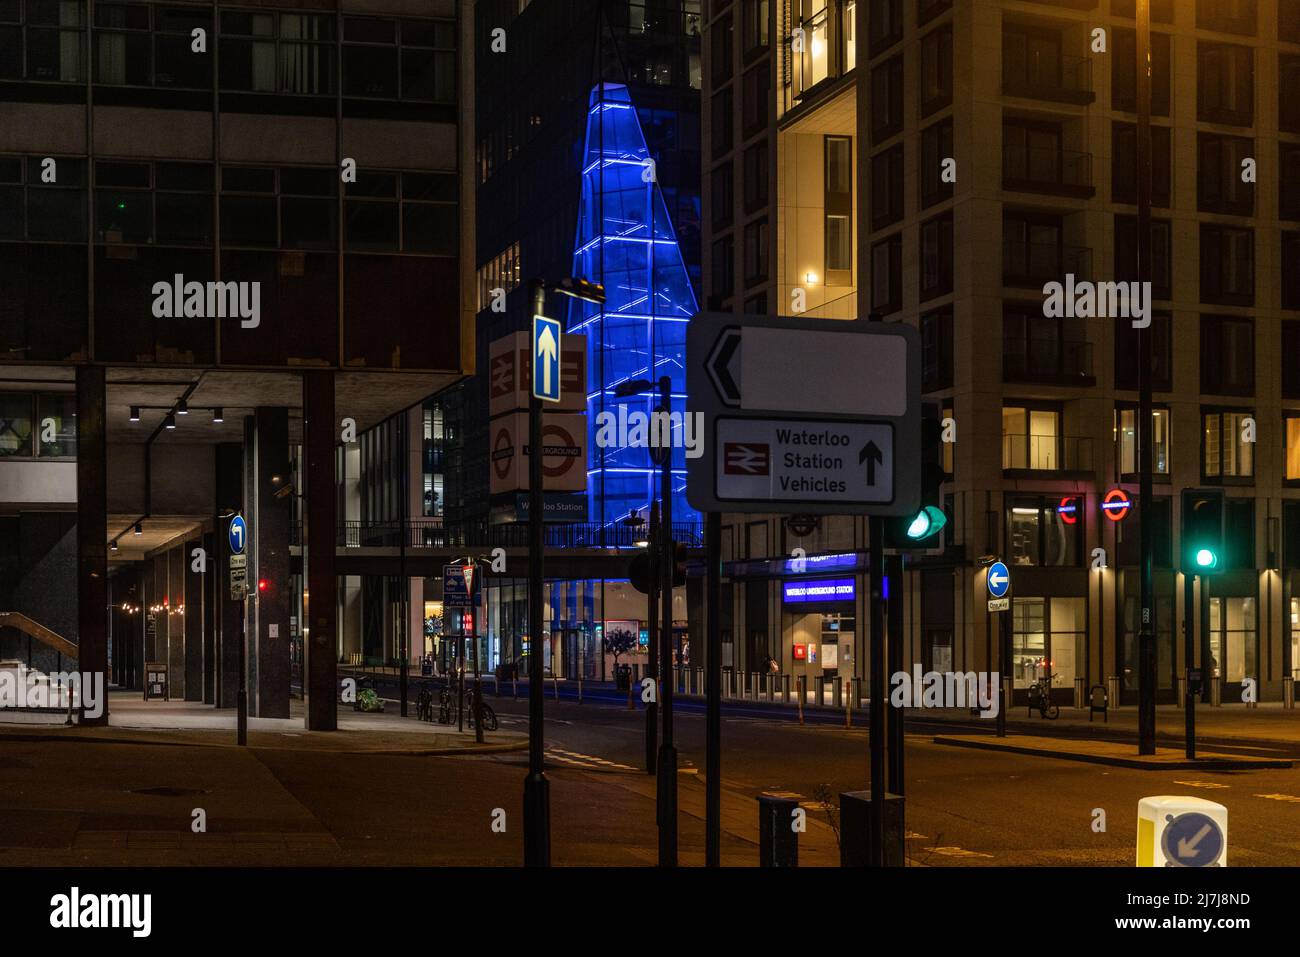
(237, 537)
(804, 416)
(998, 581)
(458, 587)
(546, 358)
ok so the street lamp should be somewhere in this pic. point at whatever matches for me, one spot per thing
(537, 793)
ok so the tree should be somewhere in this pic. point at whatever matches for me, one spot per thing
(619, 642)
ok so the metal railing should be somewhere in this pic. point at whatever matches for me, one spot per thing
(1046, 453)
(435, 533)
(1045, 359)
(1033, 264)
(1064, 77)
(1043, 169)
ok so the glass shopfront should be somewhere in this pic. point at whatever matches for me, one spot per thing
(1047, 638)
(819, 620)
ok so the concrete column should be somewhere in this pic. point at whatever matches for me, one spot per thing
(92, 528)
(192, 622)
(271, 503)
(229, 498)
(321, 641)
(212, 598)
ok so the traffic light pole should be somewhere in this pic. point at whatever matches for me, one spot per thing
(537, 790)
(1146, 624)
(652, 627)
(1189, 659)
(894, 655)
(668, 751)
(241, 699)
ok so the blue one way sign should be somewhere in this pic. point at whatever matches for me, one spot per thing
(546, 358)
(238, 535)
(999, 579)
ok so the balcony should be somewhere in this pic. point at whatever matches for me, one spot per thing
(1031, 264)
(1054, 172)
(1056, 454)
(1061, 79)
(1047, 359)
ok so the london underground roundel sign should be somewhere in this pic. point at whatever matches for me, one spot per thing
(1116, 504)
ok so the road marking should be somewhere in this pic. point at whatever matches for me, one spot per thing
(589, 761)
(1202, 784)
(955, 852)
(1288, 798)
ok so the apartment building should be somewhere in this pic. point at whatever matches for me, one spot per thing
(938, 162)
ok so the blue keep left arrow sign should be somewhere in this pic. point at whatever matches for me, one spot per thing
(546, 359)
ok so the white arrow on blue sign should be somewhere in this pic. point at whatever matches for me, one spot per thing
(238, 535)
(999, 579)
(546, 359)
(1192, 840)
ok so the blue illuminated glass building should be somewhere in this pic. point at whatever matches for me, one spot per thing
(627, 241)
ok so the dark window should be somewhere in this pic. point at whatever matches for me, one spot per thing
(1123, 72)
(887, 99)
(277, 53)
(927, 10)
(936, 70)
(1227, 265)
(1033, 251)
(1289, 192)
(370, 57)
(754, 14)
(720, 52)
(1290, 271)
(1123, 179)
(1239, 532)
(248, 220)
(1288, 103)
(723, 267)
(936, 257)
(1288, 26)
(887, 187)
(885, 24)
(757, 87)
(1225, 84)
(756, 189)
(1219, 186)
(1227, 355)
(887, 275)
(936, 350)
(1034, 64)
(1226, 16)
(721, 122)
(1126, 254)
(176, 65)
(722, 199)
(1162, 354)
(428, 60)
(1128, 542)
(756, 258)
(1036, 348)
(1291, 359)
(936, 147)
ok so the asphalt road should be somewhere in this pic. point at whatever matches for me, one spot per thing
(84, 803)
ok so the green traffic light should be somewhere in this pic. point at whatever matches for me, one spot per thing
(1205, 558)
(927, 522)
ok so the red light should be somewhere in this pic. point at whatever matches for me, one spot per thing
(262, 584)
(800, 652)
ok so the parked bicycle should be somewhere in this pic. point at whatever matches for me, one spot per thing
(1040, 697)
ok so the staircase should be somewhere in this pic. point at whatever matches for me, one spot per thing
(29, 684)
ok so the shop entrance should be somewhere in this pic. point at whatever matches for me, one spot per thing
(1047, 637)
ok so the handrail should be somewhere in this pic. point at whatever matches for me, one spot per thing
(19, 621)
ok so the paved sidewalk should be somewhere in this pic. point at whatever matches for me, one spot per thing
(134, 721)
(1115, 753)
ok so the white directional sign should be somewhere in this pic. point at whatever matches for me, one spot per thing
(792, 460)
(1178, 831)
(804, 416)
